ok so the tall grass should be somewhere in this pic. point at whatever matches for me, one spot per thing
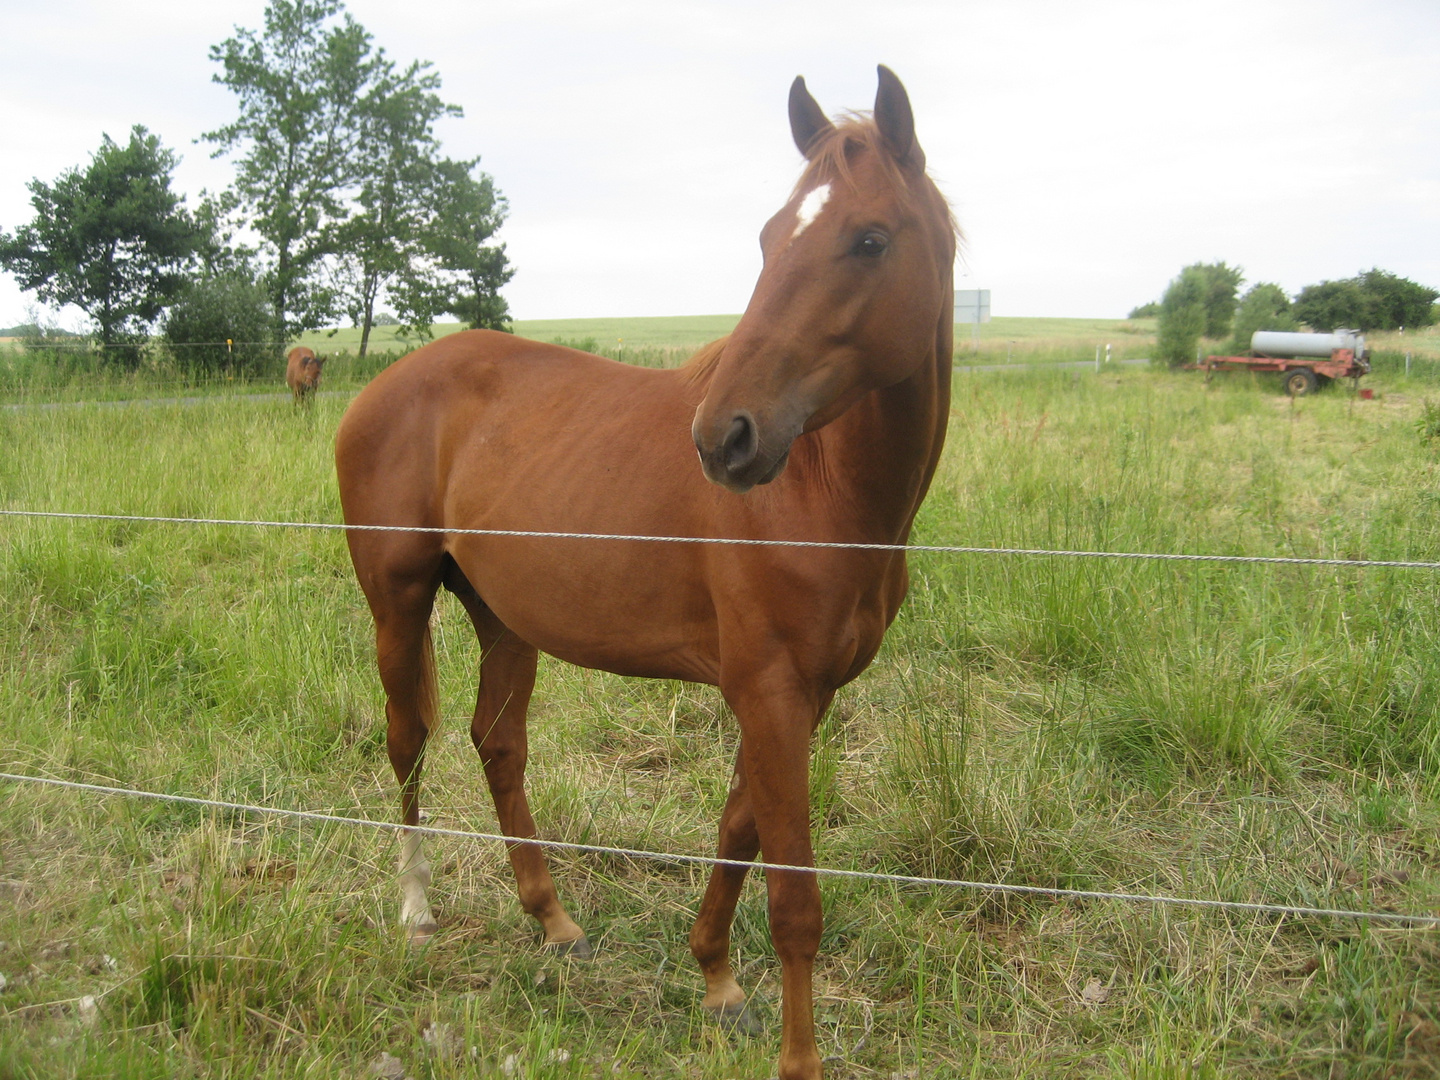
(1242, 732)
(80, 373)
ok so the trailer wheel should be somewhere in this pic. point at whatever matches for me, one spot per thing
(1300, 381)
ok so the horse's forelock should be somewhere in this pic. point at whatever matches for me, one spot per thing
(854, 132)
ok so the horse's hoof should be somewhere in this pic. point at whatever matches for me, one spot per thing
(575, 949)
(737, 1019)
(421, 933)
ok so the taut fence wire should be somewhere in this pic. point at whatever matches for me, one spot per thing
(709, 860)
(1393, 918)
(542, 534)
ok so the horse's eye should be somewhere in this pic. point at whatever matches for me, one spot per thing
(871, 244)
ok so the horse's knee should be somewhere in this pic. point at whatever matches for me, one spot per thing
(499, 753)
(796, 922)
(738, 836)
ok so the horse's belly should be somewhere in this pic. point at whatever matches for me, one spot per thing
(609, 605)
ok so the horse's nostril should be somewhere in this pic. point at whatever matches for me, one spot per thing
(740, 445)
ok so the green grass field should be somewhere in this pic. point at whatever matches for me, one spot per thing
(655, 342)
(1238, 732)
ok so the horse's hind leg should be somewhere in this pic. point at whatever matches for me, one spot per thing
(407, 669)
(507, 678)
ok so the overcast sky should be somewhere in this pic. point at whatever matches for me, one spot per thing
(1090, 149)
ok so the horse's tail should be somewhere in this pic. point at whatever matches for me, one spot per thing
(427, 689)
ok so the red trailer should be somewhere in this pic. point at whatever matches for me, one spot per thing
(1305, 361)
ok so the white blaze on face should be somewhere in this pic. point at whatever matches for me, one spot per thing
(810, 208)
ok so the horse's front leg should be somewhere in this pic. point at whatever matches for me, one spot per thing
(710, 937)
(777, 713)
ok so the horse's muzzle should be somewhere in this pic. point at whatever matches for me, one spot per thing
(737, 460)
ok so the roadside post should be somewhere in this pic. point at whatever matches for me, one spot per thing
(973, 306)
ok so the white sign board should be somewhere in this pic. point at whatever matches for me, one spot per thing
(972, 305)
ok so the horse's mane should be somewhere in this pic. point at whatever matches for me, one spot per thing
(854, 132)
(698, 368)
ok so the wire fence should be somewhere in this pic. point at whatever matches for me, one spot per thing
(1157, 899)
(544, 534)
(1403, 919)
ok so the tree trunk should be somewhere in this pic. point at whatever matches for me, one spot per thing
(367, 292)
(282, 270)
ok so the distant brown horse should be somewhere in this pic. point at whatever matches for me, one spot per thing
(302, 372)
(820, 418)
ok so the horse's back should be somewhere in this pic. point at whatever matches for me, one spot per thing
(483, 390)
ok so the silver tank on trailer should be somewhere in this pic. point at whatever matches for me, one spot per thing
(1277, 343)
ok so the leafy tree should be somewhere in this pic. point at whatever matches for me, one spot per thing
(340, 171)
(301, 84)
(1373, 300)
(1264, 307)
(460, 274)
(1399, 301)
(112, 239)
(1145, 311)
(223, 322)
(467, 211)
(385, 237)
(1182, 316)
(218, 251)
(1222, 283)
(1332, 304)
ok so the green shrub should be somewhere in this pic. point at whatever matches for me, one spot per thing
(223, 322)
(1429, 422)
(1182, 318)
(1263, 307)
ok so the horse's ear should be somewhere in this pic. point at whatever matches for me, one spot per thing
(807, 120)
(895, 119)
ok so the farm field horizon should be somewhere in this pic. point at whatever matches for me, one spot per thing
(1036, 336)
(679, 329)
(689, 332)
(60, 374)
(64, 375)
(1240, 732)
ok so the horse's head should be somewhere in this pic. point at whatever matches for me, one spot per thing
(856, 280)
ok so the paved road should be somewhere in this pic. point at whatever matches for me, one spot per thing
(1065, 365)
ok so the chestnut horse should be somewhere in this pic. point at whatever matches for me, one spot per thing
(302, 372)
(820, 418)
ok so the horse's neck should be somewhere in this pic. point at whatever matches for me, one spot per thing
(885, 449)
